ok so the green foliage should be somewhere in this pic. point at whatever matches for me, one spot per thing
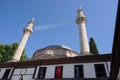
(93, 47)
(7, 52)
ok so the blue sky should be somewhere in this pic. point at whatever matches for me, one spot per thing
(58, 16)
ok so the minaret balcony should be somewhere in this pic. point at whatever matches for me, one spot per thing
(81, 20)
(28, 30)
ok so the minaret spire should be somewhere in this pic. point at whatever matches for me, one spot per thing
(80, 7)
(81, 21)
(33, 19)
(27, 31)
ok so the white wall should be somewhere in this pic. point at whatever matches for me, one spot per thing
(68, 71)
(50, 72)
(25, 77)
(89, 71)
(107, 68)
(36, 73)
(27, 73)
(109, 65)
(2, 70)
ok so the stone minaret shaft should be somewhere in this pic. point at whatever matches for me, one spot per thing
(81, 21)
(27, 31)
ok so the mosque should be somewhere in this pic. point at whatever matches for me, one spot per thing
(58, 62)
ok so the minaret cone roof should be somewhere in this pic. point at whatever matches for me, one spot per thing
(33, 19)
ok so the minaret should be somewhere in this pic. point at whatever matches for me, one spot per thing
(27, 31)
(81, 21)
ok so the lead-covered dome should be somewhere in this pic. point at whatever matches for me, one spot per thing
(54, 51)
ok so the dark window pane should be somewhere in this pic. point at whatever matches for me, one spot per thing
(21, 78)
(58, 71)
(41, 73)
(6, 74)
(78, 71)
(100, 71)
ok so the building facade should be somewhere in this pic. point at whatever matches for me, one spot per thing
(58, 62)
(72, 68)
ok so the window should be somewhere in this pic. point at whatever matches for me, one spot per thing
(6, 74)
(58, 71)
(78, 71)
(100, 71)
(23, 72)
(21, 78)
(41, 73)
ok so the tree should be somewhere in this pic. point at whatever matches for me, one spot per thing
(93, 47)
(7, 52)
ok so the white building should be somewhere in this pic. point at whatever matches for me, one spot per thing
(70, 68)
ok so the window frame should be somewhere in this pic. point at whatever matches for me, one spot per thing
(101, 70)
(6, 74)
(44, 73)
(80, 73)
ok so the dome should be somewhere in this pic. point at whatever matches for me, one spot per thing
(54, 51)
(58, 46)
